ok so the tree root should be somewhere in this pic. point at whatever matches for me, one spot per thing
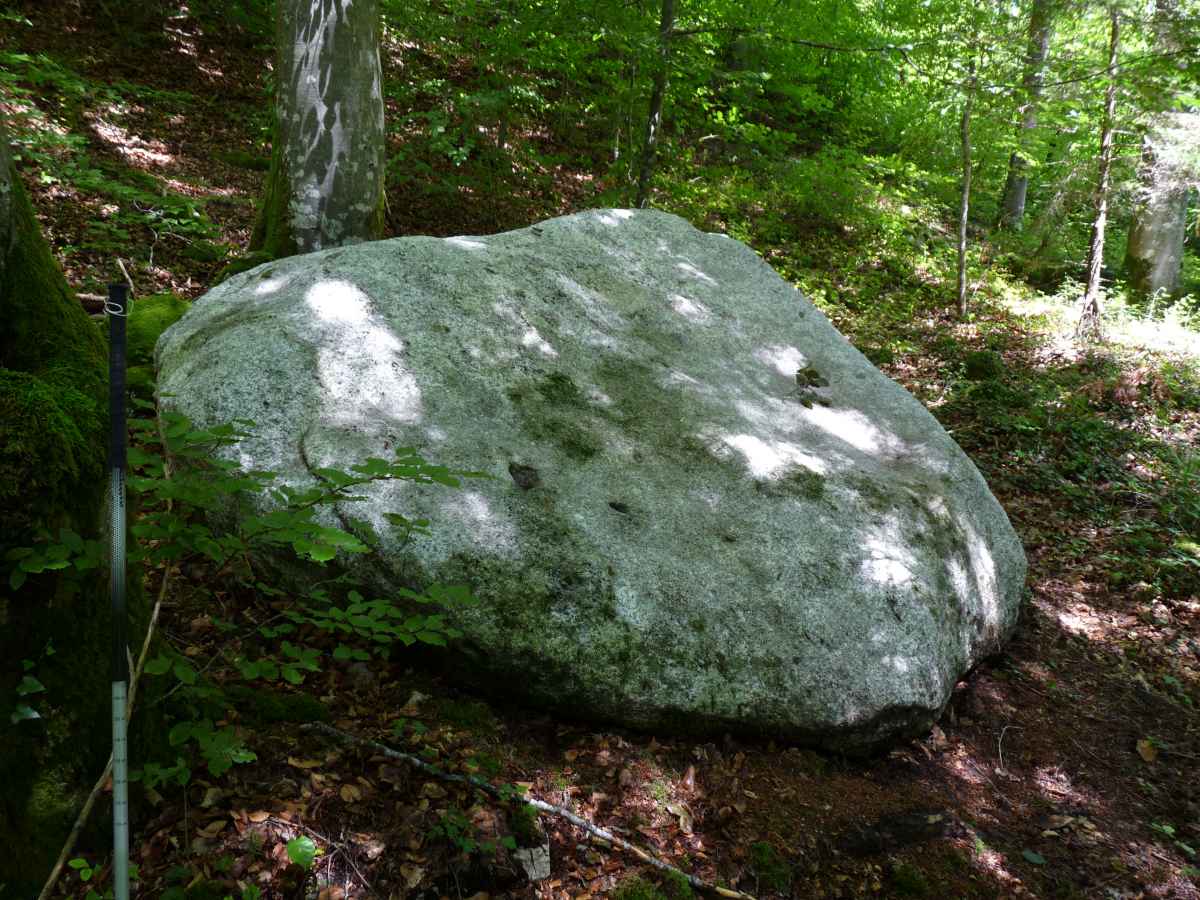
(493, 790)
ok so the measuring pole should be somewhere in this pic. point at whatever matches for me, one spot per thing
(117, 308)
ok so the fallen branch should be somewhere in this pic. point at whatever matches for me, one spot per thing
(81, 819)
(488, 788)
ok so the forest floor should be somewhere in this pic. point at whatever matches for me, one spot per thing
(1065, 767)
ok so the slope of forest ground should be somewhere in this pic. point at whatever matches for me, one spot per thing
(1066, 767)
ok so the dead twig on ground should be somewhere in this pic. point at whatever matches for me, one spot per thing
(492, 790)
(81, 819)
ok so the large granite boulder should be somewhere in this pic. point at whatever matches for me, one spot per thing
(708, 510)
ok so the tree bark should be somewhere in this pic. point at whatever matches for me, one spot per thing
(325, 187)
(1154, 250)
(657, 94)
(1016, 187)
(1089, 320)
(964, 206)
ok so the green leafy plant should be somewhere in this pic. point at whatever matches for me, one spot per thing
(302, 851)
(1169, 832)
(28, 687)
(87, 872)
(457, 830)
(209, 509)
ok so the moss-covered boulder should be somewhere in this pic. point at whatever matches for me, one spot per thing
(53, 426)
(148, 319)
(707, 509)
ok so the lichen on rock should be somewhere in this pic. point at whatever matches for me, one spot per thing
(708, 510)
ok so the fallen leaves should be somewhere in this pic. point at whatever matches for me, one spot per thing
(1147, 750)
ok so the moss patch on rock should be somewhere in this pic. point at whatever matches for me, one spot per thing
(53, 422)
(148, 319)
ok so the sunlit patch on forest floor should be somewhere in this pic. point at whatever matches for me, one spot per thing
(1066, 767)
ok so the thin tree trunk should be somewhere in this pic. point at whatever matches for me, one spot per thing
(1016, 187)
(657, 94)
(1089, 320)
(326, 182)
(964, 206)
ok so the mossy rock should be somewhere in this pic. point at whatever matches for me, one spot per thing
(53, 423)
(149, 318)
(983, 365)
(48, 440)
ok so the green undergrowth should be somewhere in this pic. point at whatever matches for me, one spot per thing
(56, 144)
(671, 886)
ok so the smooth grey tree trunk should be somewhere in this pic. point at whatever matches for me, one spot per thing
(964, 206)
(654, 118)
(1016, 187)
(1154, 250)
(326, 183)
(1089, 319)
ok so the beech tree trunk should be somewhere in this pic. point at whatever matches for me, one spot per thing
(1089, 320)
(658, 93)
(325, 188)
(1016, 187)
(1154, 251)
(964, 206)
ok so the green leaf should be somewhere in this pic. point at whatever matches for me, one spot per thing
(70, 540)
(291, 674)
(180, 733)
(78, 863)
(184, 672)
(1036, 858)
(159, 665)
(16, 579)
(23, 713)
(302, 851)
(248, 669)
(342, 652)
(29, 685)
